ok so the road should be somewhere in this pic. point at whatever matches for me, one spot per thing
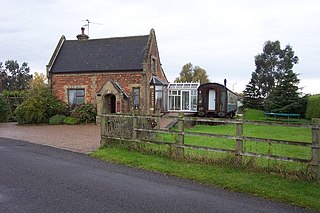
(37, 178)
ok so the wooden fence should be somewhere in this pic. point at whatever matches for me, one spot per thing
(142, 129)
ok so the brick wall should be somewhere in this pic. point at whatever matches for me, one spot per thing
(93, 82)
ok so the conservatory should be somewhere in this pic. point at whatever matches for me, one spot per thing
(183, 97)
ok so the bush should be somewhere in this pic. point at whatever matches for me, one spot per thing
(14, 99)
(71, 121)
(85, 113)
(313, 109)
(39, 107)
(4, 109)
(57, 119)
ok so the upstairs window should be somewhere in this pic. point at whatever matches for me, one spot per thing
(75, 96)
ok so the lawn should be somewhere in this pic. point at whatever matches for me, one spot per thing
(297, 134)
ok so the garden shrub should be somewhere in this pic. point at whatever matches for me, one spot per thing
(71, 121)
(4, 109)
(39, 107)
(13, 99)
(57, 119)
(86, 113)
(313, 109)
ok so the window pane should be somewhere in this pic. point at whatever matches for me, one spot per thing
(136, 97)
(158, 99)
(194, 103)
(72, 96)
(177, 104)
(171, 102)
(185, 100)
(158, 88)
(80, 92)
(80, 100)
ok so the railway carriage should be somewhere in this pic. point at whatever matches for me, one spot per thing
(216, 100)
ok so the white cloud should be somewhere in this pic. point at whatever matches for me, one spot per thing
(221, 36)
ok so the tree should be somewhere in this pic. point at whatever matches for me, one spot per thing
(37, 82)
(271, 66)
(200, 75)
(185, 74)
(284, 98)
(251, 95)
(192, 74)
(14, 77)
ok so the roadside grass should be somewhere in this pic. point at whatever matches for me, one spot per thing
(271, 186)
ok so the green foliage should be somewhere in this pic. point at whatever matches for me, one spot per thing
(272, 66)
(252, 98)
(57, 119)
(284, 98)
(85, 113)
(14, 77)
(15, 93)
(313, 109)
(192, 74)
(71, 121)
(4, 109)
(40, 105)
(14, 99)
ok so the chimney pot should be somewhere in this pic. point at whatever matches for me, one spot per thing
(82, 36)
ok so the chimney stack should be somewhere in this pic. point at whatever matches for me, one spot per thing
(82, 36)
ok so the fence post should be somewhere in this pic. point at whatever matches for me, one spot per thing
(315, 167)
(103, 130)
(134, 127)
(239, 141)
(179, 151)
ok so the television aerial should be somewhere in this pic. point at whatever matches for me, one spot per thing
(88, 23)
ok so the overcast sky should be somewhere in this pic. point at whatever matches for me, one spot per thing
(220, 36)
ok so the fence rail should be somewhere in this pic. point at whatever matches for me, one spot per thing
(143, 130)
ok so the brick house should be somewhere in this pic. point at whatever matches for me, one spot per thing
(117, 75)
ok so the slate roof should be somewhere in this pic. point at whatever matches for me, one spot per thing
(109, 54)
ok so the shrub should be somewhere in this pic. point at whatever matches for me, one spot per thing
(313, 109)
(14, 99)
(71, 120)
(57, 119)
(85, 113)
(39, 107)
(4, 109)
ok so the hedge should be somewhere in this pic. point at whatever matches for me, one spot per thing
(313, 108)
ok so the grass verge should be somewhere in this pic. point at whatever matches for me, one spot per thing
(295, 192)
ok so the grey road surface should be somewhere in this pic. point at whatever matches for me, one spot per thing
(37, 178)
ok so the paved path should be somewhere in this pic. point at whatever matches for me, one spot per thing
(77, 138)
(35, 178)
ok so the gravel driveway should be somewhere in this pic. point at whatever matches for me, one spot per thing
(77, 138)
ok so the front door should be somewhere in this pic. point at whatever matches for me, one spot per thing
(212, 100)
(109, 104)
(185, 103)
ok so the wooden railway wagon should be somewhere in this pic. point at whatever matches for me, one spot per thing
(216, 100)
